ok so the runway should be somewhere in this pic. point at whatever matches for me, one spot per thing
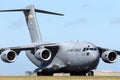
(107, 74)
(59, 78)
(95, 74)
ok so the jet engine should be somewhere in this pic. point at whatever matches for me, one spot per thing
(109, 56)
(9, 56)
(43, 54)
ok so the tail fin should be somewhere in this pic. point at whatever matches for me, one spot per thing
(31, 21)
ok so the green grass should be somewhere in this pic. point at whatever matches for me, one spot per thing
(56, 78)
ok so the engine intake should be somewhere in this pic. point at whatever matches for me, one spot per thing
(9, 56)
(43, 54)
(109, 56)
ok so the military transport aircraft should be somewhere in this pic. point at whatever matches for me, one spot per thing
(76, 58)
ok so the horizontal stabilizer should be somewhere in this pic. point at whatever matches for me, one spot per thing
(14, 10)
(48, 12)
(36, 10)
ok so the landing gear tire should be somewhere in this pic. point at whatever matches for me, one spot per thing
(77, 74)
(91, 73)
(39, 74)
(44, 74)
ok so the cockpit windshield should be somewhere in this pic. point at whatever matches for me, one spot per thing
(86, 49)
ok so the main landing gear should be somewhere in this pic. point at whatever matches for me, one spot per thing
(44, 74)
(91, 73)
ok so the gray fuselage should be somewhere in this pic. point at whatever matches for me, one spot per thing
(73, 56)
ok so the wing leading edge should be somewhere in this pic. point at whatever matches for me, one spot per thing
(102, 50)
(30, 47)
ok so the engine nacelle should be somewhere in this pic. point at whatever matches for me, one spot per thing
(109, 56)
(9, 56)
(43, 54)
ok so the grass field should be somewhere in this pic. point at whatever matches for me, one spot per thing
(56, 78)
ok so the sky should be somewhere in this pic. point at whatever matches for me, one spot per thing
(95, 21)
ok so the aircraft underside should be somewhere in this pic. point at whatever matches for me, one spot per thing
(51, 72)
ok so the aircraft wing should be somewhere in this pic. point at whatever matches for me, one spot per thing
(108, 55)
(18, 49)
(9, 54)
(101, 50)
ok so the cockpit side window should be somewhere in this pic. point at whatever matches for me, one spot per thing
(95, 49)
(84, 49)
